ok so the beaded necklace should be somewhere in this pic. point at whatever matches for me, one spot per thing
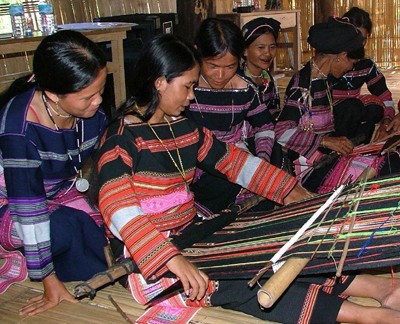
(273, 101)
(315, 66)
(328, 87)
(306, 105)
(81, 184)
(179, 167)
(264, 75)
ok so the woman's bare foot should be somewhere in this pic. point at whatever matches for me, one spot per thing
(355, 313)
(392, 298)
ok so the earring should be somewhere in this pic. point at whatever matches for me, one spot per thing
(337, 59)
(197, 7)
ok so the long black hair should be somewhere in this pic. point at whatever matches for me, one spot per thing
(163, 56)
(64, 62)
(219, 36)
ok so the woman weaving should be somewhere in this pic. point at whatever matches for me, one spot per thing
(319, 136)
(145, 162)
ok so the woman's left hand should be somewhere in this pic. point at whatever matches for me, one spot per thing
(54, 293)
(194, 281)
(298, 193)
(382, 131)
(394, 125)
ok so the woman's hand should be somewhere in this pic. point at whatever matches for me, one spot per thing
(394, 125)
(382, 131)
(341, 144)
(298, 193)
(54, 293)
(194, 281)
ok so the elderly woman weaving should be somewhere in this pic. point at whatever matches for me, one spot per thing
(319, 137)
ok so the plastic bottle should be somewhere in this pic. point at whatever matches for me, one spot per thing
(29, 27)
(17, 15)
(46, 21)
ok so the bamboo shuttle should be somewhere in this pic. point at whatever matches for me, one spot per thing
(280, 281)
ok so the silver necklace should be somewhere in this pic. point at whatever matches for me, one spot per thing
(81, 184)
(314, 65)
(248, 73)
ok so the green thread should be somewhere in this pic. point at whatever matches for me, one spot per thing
(366, 234)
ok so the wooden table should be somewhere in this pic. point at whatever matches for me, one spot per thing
(115, 35)
(290, 22)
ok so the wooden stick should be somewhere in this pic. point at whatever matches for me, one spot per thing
(307, 224)
(119, 309)
(287, 273)
(339, 270)
(88, 288)
(278, 283)
(109, 255)
(390, 144)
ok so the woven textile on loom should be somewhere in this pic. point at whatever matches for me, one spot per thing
(242, 248)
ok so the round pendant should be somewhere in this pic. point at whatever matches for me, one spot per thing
(82, 184)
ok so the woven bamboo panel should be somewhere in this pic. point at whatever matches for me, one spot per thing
(384, 44)
(14, 67)
(71, 11)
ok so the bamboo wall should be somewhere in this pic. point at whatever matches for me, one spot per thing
(384, 44)
(68, 11)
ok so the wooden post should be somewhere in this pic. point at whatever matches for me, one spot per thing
(190, 16)
(323, 9)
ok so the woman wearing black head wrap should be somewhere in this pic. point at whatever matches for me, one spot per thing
(260, 37)
(378, 100)
(319, 136)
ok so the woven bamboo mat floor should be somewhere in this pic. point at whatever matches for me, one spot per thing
(101, 310)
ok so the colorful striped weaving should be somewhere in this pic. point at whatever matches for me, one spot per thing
(242, 248)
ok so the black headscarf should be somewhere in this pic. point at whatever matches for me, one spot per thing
(261, 24)
(335, 36)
